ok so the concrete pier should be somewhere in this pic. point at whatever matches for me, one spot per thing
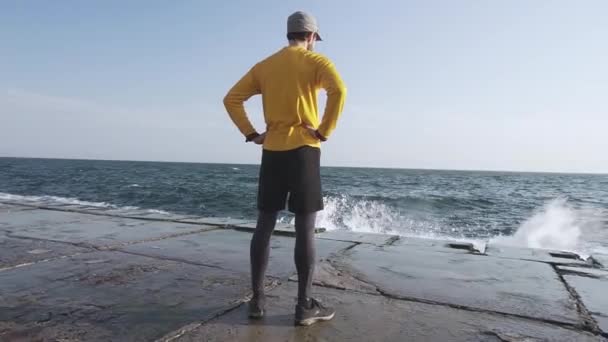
(76, 273)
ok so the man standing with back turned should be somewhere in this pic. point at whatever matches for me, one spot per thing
(289, 81)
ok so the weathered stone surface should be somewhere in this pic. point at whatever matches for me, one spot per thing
(592, 287)
(442, 246)
(110, 232)
(147, 215)
(32, 218)
(9, 208)
(541, 255)
(15, 251)
(229, 249)
(280, 228)
(345, 235)
(111, 296)
(375, 318)
(328, 276)
(476, 281)
(217, 221)
(602, 259)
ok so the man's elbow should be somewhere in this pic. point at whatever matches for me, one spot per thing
(228, 100)
(338, 92)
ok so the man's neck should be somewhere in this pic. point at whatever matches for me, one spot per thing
(295, 43)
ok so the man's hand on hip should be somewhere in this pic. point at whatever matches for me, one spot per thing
(259, 140)
(314, 133)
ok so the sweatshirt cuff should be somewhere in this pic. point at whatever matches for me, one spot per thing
(320, 136)
(251, 136)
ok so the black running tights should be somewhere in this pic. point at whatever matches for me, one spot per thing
(304, 253)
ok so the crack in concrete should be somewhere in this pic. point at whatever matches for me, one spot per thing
(231, 307)
(171, 259)
(579, 274)
(391, 241)
(41, 261)
(509, 338)
(76, 244)
(164, 237)
(589, 322)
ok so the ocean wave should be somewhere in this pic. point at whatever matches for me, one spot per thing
(426, 201)
(53, 200)
(57, 200)
(557, 225)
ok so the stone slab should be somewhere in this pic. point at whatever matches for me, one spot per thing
(157, 216)
(362, 317)
(280, 228)
(14, 221)
(541, 255)
(15, 252)
(9, 208)
(229, 249)
(110, 296)
(476, 281)
(109, 232)
(217, 221)
(438, 245)
(345, 235)
(592, 287)
(602, 259)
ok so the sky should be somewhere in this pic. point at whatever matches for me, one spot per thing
(514, 85)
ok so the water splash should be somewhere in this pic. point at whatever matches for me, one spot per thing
(556, 226)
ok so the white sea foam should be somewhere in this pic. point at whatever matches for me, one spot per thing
(559, 226)
(52, 200)
(56, 200)
(556, 225)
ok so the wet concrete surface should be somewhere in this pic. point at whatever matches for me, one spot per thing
(16, 251)
(591, 285)
(476, 281)
(72, 276)
(229, 249)
(540, 255)
(362, 317)
(343, 235)
(107, 233)
(602, 260)
(113, 297)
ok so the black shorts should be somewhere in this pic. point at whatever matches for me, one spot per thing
(295, 173)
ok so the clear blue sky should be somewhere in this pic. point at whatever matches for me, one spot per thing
(502, 85)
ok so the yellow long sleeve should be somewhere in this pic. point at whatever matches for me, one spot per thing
(289, 82)
(235, 99)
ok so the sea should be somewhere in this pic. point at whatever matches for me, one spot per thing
(539, 210)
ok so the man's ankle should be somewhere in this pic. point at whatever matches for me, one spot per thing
(304, 302)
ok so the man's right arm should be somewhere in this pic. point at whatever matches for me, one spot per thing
(234, 101)
(330, 80)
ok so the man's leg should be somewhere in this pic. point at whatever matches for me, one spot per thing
(272, 194)
(304, 254)
(259, 252)
(305, 201)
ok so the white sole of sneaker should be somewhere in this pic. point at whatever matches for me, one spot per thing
(310, 321)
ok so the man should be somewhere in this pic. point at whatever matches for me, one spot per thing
(289, 81)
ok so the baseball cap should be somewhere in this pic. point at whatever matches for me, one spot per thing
(303, 22)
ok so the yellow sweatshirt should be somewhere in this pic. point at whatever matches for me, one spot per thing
(289, 82)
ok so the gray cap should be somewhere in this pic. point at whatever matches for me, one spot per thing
(303, 22)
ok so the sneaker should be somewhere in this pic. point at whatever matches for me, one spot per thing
(256, 308)
(313, 313)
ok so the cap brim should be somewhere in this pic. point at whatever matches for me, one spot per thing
(318, 37)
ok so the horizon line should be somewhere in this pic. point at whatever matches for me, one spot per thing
(326, 166)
